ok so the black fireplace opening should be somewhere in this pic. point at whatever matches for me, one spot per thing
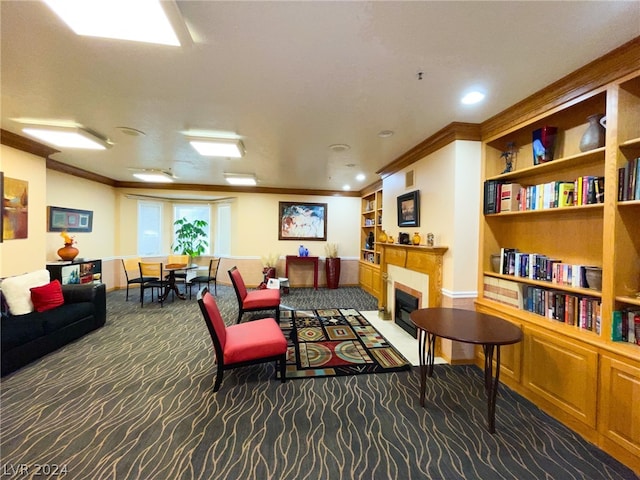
(405, 304)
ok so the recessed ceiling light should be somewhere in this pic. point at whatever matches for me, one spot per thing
(241, 179)
(339, 147)
(360, 177)
(154, 176)
(67, 137)
(138, 21)
(218, 147)
(346, 187)
(472, 97)
(385, 133)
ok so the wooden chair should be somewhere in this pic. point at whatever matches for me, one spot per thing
(260, 341)
(255, 300)
(152, 270)
(132, 273)
(211, 276)
(181, 277)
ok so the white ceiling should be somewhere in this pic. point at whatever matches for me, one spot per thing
(292, 78)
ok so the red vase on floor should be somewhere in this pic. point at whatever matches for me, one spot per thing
(332, 268)
(68, 252)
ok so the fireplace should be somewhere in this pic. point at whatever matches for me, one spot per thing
(405, 303)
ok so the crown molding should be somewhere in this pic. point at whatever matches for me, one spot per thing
(25, 144)
(452, 132)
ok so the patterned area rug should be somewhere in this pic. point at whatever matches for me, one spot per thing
(335, 342)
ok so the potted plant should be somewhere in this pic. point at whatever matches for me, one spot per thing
(269, 263)
(190, 237)
(332, 265)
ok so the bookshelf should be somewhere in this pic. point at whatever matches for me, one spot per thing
(370, 230)
(579, 375)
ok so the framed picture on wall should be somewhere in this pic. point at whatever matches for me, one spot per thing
(69, 219)
(409, 209)
(302, 221)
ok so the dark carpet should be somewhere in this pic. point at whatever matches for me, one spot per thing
(134, 400)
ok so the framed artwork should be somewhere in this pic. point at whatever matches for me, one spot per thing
(302, 221)
(15, 208)
(69, 219)
(409, 209)
(2, 208)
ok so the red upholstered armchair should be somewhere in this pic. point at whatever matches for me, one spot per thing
(254, 300)
(259, 341)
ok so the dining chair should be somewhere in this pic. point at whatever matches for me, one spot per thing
(211, 276)
(255, 300)
(259, 341)
(132, 273)
(152, 270)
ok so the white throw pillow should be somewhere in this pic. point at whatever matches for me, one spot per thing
(16, 290)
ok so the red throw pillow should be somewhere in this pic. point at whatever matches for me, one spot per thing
(47, 297)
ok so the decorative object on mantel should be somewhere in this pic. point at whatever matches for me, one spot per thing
(303, 251)
(544, 144)
(509, 156)
(382, 238)
(332, 265)
(68, 252)
(594, 136)
(403, 238)
(430, 240)
(390, 239)
(416, 238)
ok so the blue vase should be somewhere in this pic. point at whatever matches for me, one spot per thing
(301, 251)
(306, 252)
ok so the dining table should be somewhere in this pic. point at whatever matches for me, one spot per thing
(172, 285)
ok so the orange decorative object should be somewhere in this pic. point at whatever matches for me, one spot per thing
(416, 238)
(68, 252)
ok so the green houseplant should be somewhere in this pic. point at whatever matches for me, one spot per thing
(190, 237)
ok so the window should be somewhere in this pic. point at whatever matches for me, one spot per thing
(223, 231)
(191, 213)
(149, 228)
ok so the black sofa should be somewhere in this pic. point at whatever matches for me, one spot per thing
(25, 338)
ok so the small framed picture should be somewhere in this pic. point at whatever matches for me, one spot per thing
(409, 209)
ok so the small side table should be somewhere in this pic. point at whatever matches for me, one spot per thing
(296, 259)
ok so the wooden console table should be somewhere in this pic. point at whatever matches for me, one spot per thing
(295, 258)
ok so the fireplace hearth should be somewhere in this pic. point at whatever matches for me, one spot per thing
(405, 303)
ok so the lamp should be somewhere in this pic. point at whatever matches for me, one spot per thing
(154, 176)
(242, 179)
(69, 137)
(218, 147)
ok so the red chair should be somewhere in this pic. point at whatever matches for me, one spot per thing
(250, 343)
(255, 300)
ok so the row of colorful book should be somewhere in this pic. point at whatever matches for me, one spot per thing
(626, 326)
(628, 181)
(578, 310)
(540, 267)
(512, 197)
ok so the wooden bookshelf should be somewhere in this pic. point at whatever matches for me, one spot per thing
(583, 378)
(371, 223)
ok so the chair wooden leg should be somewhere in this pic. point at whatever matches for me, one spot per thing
(127, 297)
(215, 287)
(216, 386)
(283, 368)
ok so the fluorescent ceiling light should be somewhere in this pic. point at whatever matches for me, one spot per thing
(218, 147)
(240, 179)
(154, 176)
(472, 97)
(67, 137)
(360, 177)
(137, 20)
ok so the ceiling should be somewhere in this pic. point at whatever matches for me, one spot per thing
(293, 78)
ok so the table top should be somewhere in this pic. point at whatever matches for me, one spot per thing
(466, 326)
(179, 266)
(297, 257)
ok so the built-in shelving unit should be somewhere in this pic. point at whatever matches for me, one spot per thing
(581, 376)
(370, 230)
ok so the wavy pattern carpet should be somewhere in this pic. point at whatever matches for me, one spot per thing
(134, 400)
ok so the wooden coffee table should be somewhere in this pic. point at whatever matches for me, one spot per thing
(470, 327)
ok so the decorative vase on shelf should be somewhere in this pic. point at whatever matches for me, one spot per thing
(416, 238)
(301, 251)
(382, 238)
(593, 137)
(68, 252)
(544, 144)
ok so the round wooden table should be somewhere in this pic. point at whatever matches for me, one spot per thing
(465, 326)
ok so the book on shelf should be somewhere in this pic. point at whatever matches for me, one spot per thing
(504, 291)
(625, 326)
(628, 181)
(509, 197)
(491, 203)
